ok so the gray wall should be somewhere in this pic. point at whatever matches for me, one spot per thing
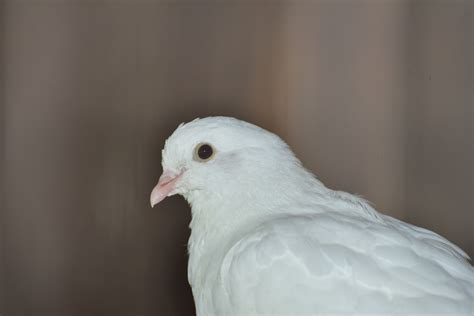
(374, 96)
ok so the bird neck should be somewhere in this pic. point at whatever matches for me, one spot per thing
(213, 233)
(218, 216)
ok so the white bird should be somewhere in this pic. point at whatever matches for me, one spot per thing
(268, 238)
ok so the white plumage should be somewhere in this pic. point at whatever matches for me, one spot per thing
(268, 238)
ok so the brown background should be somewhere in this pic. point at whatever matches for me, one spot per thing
(374, 96)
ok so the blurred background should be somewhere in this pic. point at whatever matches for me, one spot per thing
(375, 97)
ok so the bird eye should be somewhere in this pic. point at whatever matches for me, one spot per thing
(203, 152)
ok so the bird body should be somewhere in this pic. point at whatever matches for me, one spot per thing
(268, 238)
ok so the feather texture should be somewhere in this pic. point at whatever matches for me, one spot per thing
(268, 238)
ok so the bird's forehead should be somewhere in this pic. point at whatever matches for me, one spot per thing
(184, 139)
(219, 131)
(225, 134)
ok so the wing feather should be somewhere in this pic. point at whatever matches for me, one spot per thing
(336, 263)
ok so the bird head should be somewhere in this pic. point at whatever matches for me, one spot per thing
(221, 159)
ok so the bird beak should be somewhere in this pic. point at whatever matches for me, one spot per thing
(165, 187)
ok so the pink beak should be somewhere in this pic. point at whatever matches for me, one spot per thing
(165, 187)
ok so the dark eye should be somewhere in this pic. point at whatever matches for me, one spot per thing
(203, 152)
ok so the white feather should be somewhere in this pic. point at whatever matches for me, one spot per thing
(268, 238)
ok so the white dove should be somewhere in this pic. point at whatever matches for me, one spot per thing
(268, 238)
